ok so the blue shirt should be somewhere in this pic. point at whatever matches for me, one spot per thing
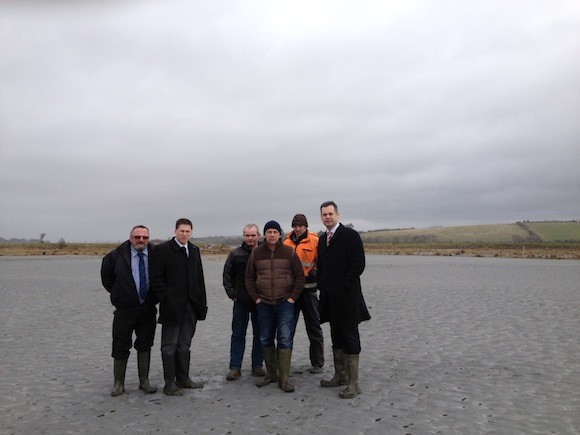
(135, 267)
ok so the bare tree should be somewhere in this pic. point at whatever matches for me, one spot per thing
(42, 236)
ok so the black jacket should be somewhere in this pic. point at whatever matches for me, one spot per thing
(340, 266)
(117, 277)
(178, 280)
(234, 275)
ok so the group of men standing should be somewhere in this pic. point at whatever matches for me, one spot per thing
(270, 283)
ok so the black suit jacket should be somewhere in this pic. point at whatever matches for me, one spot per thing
(117, 277)
(340, 266)
(178, 280)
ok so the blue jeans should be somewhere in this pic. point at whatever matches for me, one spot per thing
(241, 314)
(276, 321)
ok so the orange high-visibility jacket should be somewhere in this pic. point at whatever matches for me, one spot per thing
(307, 251)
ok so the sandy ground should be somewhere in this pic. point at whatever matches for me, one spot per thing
(449, 358)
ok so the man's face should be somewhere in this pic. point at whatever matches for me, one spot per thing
(299, 230)
(139, 238)
(272, 236)
(329, 216)
(183, 233)
(251, 236)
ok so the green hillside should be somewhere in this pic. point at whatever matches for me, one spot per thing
(520, 232)
(555, 231)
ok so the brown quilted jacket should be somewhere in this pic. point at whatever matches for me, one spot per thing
(274, 276)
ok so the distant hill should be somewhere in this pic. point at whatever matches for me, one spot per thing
(519, 232)
(545, 240)
(14, 240)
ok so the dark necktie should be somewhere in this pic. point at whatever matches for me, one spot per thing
(329, 237)
(142, 278)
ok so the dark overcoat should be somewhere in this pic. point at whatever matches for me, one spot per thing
(117, 277)
(178, 280)
(340, 266)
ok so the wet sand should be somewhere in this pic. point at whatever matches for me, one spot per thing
(454, 356)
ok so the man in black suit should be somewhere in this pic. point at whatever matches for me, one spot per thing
(341, 261)
(125, 275)
(177, 280)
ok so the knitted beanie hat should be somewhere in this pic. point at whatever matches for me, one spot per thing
(272, 224)
(300, 219)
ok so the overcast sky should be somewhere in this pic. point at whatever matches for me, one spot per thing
(407, 114)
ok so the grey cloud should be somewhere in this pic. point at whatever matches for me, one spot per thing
(414, 114)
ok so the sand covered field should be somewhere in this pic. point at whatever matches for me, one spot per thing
(455, 346)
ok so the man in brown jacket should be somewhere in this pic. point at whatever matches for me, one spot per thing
(274, 279)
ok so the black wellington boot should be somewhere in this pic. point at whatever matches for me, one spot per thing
(182, 371)
(170, 388)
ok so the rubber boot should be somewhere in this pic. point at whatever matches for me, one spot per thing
(284, 359)
(352, 389)
(271, 360)
(170, 388)
(143, 363)
(119, 368)
(340, 377)
(182, 371)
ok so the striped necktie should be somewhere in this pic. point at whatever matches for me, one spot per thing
(329, 235)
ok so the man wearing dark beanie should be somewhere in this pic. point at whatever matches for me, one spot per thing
(305, 244)
(275, 279)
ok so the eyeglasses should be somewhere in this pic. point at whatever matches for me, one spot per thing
(141, 237)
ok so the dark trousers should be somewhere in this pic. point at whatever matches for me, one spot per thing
(307, 303)
(177, 338)
(141, 320)
(347, 339)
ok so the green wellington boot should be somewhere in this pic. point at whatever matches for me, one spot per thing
(143, 363)
(284, 358)
(340, 377)
(119, 368)
(352, 389)
(271, 360)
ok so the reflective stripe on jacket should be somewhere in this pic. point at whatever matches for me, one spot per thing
(307, 251)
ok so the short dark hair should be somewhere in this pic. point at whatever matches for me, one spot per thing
(138, 226)
(183, 221)
(328, 204)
